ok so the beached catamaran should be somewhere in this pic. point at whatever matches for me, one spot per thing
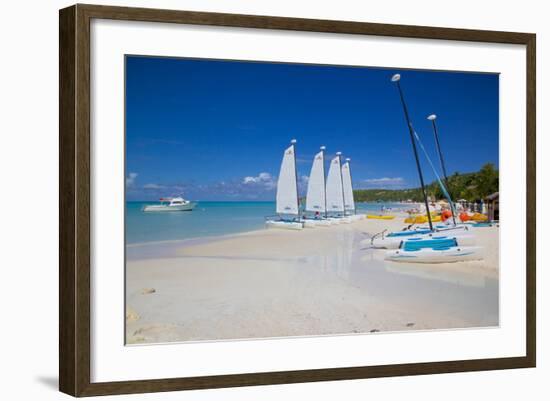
(349, 201)
(335, 191)
(428, 245)
(287, 202)
(435, 250)
(316, 199)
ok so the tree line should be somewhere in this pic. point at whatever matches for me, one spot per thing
(469, 186)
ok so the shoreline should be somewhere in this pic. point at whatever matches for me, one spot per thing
(283, 283)
(135, 220)
(398, 215)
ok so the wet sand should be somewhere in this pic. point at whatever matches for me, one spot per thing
(278, 283)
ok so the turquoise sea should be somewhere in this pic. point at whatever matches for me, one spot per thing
(208, 219)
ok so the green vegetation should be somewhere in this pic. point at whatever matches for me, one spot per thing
(469, 186)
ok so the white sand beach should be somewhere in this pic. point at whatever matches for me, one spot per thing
(274, 283)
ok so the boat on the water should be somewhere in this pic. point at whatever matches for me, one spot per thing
(176, 204)
(287, 204)
(435, 250)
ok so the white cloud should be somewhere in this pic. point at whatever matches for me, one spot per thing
(265, 176)
(384, 182)
(263, 179)
(395, 180)
(130, 180)
(153, 186)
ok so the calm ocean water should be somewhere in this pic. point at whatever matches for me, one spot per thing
(206, 220)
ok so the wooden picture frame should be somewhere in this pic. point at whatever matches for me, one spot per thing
(74, 199)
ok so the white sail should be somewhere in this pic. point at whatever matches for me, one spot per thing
(349, 203)
(287, 190)
(335, 198)
(315, 198)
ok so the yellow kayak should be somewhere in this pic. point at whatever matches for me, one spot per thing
(379, 217)
(479, 217)
(421, 219)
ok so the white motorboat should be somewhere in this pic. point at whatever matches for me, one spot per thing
(287, 206)
(177, 204)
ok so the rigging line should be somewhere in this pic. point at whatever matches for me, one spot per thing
(443, 188)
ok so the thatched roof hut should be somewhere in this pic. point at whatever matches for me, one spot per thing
(492, 206)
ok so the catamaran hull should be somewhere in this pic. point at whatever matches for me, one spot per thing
(443, 227)
(167, 208)
(428, 255)
(285, 225)
(394, 242)
(312, 223)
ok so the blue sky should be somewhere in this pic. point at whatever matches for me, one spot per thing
(216, 130)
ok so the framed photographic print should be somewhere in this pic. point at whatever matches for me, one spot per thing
(250, 200)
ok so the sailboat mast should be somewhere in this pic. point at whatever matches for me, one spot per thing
(293, 144)
(396, 79)
(339, 154)
(432, 118)
(348, 160)
(324, 179)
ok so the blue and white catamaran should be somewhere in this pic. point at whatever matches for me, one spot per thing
(437, 250)
(429, 244)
